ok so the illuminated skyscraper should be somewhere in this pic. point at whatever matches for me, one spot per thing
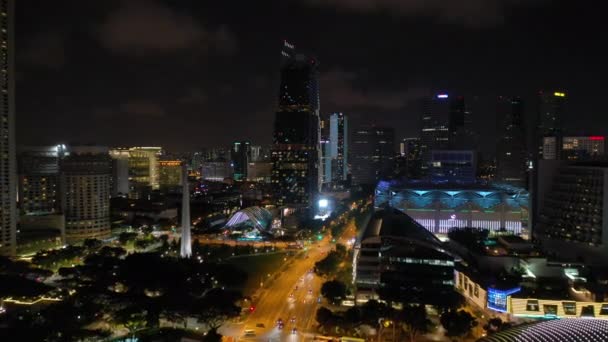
(296, 152)
(143, 168)
(38, 170)
(435, 133)
(170, 175)
(8, 169)
(511, 149)
(373, 152)
(338, 142)
(85, 192)
(551, 107)
(240, 155)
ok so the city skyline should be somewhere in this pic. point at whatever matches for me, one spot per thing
(94, 84)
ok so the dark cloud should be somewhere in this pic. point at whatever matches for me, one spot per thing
(142, 27)
(46, 49)
(142, 108)
(468, 12)
(339, 90)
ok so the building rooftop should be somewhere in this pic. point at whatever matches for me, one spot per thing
(564, 330)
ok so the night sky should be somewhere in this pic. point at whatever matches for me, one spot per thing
(185, 74)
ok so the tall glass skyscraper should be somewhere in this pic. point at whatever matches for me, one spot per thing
(511, 149)
(296, 153)
(8, 169)
(551, 107)
(338, 142)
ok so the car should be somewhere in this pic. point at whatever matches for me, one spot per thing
(294, 331)
(319, 299)
(249, 333)
(260, 325)
(309, 291)
(296, 287)
(293, 319)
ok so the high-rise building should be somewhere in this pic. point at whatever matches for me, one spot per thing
(373, 151)
(143, 168)
(85, 192)
(583, 147)
(338, 142)
(446, 124)
(453, 166)
(240, 155)
(8, 167)
(551, 107)
(435, 133)
(170, 175)
(410, 158)
(216, 171)
(296, 153)
(38, 170)
(119, 182)
(260, 153)
(511, 152)
(572, 220)
(326, 177)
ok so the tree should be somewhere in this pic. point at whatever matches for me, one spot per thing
(126, 237)
(324, 316)
(212, 336)
(494, 325)
(328, 265)
(131, 318)
(92, 244)
(334, 291)
(414, 320)
(457, 323)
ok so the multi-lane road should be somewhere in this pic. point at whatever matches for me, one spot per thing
(292, 297)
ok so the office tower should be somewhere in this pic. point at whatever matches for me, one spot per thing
(143, 168)
(216, 171)
(186, 241)
(170, 175)
(373, 152)
(338, 142)
(511, 152)
(85, 192)
(572, 221)
(435, 126)
(296, 154)
(215, 153)
(8, 168)
(260, 153)
(446, 124)
(583, 147)
(119, 182)
(38, 170)
(453, 166)
(240, 155)
(460, 124)
(551, 107)
(325, 154)
(410, 159)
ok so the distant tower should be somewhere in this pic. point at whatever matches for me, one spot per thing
(186, 247)
(8, 170)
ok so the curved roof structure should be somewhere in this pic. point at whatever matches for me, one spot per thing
(450, 197)
(393, 224)
(563, 330)
(254, 217)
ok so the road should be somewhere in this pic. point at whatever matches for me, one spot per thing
(293, 294)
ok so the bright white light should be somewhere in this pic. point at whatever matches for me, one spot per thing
(323, 203)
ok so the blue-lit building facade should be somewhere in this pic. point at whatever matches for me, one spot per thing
(440, 207)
